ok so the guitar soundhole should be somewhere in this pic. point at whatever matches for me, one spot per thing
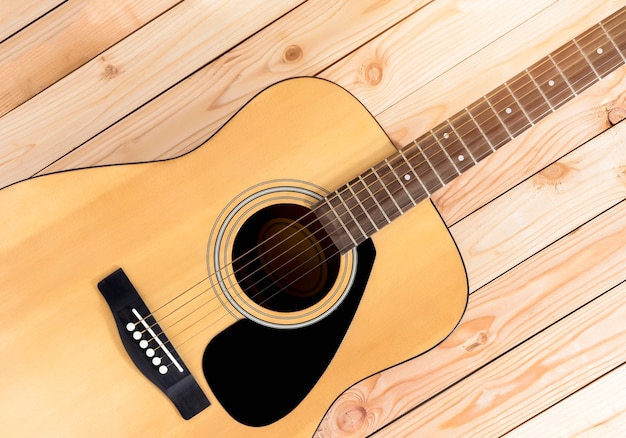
(283, 259)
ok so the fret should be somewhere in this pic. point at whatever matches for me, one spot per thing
(370, 202)
(438, 159)
(519, 104)
(488, 123)
(356, 205)
(550, 82)
(408, 177)
(384, 197)
(498, 117)
(445, 152)
(453, 137)
(574, 67)
(394, 186)
(384, 192)
(334, 226)
(429, 150)
(470, 134)
(455, 149)
(402, 184)
(529, 97)
(613, 43)
(415, 188)
(340, 210)
(600, 51)
(505, 106)
(356, 211)
(424, 170)
(560, 72)
(537, 88)
(582, 52)
(614, 27)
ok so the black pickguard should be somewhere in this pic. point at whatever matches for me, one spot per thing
(260, 374)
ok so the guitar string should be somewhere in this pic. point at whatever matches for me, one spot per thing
(288, 273)
(595, 79)
(344, 191)
(205, 327)
(398, 191)
(350, 196)
(213, 322)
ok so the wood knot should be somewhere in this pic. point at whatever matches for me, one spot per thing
(292, 54)
(374, 73)
(351, 418)
(552, 176)
(110, 71)
(470, 335)
(616, 115)
(480, 339)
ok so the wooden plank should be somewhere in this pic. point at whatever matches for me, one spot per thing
(596, 410)
(545, 369)
(174, 114)
(412, 54)
(16, 14)
(553, 202)
(184, 117)
(124, 77)
(573, 124)
(65, 39)
(179, 120)
(444, 95)
(504, 313)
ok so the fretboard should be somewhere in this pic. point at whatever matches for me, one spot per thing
(355, 211)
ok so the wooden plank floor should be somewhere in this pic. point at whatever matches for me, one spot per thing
(541, 224)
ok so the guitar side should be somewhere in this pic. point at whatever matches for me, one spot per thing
(67, 371)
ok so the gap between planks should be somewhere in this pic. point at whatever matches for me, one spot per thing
(563, 276)
(547, 368)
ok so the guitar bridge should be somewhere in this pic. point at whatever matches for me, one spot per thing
(148, 347)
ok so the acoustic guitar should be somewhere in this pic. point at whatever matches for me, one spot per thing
(239, 289)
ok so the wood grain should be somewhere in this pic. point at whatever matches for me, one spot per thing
(574, 123)
(523, 301)
(550, 204)
(182, 118)
(394, 64)
(452, 89)
(65, 39)
(542, 234)
(16, 14)
(505, 393)
(598, 409)
(123, 78)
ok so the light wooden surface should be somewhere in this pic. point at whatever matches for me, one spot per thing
(540, 224)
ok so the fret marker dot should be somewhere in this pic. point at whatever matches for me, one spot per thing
(508, 110)
(407, 177)
(446, 135)
(461, 158)
(599, 51)
(551, 83)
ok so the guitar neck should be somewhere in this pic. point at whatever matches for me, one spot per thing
(355, 211)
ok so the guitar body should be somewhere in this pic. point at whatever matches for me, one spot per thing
(169, 225)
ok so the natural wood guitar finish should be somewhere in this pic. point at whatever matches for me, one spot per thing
(540, 225)
(64, 232)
